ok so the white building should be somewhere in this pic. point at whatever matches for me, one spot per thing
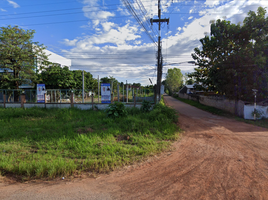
(53, 58)
(57, 59)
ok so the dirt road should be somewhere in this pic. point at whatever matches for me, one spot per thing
(216, 158)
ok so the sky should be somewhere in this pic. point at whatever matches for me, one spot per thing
(102, 37)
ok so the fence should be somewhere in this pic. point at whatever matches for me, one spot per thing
(63, 96)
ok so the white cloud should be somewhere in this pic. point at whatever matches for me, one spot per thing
(14, 4)
(119, 50)
(3, 10)
(68, 42)
(107, 26)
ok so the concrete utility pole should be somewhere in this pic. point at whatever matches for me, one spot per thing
(159, 55)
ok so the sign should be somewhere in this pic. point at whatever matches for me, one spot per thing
(105, 93)
(41, 91)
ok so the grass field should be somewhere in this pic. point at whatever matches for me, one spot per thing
(48, 143)
(216, 111)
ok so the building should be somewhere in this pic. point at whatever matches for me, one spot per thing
(55, 59)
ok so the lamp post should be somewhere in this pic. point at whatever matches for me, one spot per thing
(255, 105)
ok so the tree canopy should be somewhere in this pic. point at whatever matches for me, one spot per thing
(174, 80)
(19, 57)
(234, 59)
(56, 77)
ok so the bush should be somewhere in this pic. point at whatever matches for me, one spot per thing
(116, 109)
(146, 106)
(163, 113)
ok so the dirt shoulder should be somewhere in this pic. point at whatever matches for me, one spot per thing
(216, 158)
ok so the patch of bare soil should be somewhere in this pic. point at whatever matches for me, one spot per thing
(216, 158)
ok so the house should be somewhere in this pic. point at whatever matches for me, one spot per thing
(187, 89)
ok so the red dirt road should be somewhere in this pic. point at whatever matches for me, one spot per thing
(216, 158)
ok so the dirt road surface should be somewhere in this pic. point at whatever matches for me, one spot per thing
(216, 158)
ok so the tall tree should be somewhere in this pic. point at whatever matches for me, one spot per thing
(174, 80)
(19, 57)
(234, 59)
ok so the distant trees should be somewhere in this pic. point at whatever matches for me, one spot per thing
(234, 59)
(56, 77)
(174, 80)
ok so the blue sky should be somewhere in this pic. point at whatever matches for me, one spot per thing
(102, 37)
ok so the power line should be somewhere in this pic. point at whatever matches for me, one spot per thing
(49, 15)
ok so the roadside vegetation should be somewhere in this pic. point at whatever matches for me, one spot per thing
(49, 143)
(216, 111)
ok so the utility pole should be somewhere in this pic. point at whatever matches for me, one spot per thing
(159, 55)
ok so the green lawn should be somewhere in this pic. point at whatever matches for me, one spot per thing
(216, 111)
(48, 143)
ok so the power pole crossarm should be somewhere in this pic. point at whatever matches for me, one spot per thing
(159, 20)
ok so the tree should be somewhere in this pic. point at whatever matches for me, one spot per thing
(55, 77)
(234, 59)
(174, 80)
(19, 54)
(89, 81)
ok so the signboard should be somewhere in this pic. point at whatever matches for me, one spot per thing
(105, 93)
(41, 91)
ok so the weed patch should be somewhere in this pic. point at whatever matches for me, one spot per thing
(48, 143)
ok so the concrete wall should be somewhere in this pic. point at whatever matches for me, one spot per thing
(232, 106)
(63, 105)
(248, 109)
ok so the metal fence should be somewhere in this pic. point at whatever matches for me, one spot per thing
(119, 93)
(13, 96)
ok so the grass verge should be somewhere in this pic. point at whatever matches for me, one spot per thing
(216, 111)
(48, 143)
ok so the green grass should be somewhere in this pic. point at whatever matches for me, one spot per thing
(48, 143)
(216, 111)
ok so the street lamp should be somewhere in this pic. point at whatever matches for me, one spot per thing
(255, 105)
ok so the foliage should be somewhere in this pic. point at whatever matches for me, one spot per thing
(146, 106)
(174, 80)
(90, 82)
(19, 56)
(234, 59)
(116, 109)
(258, 113)
(56, 77)
(41, 143)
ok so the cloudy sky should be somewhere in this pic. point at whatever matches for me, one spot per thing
(103, 37)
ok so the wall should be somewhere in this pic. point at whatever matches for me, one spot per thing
(55, 58)
(232, 106)
(63, 105)
(248, 109)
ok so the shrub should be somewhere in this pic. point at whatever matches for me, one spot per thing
(116, 109)
(163, 114)
(146, 106)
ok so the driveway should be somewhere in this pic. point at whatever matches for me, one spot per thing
(216, 158)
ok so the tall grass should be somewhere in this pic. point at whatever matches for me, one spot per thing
(49, 143)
